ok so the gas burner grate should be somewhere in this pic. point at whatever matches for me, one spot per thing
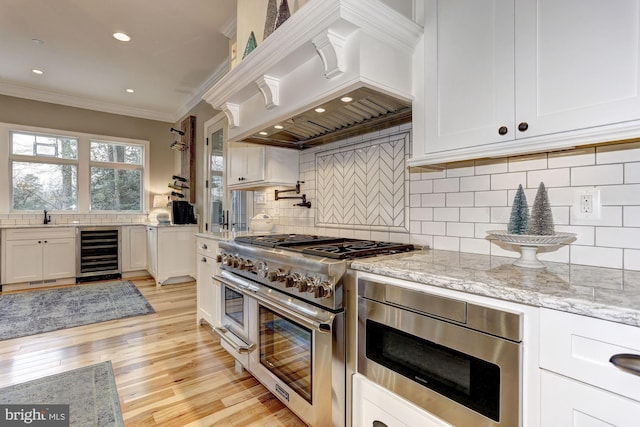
(286, 240)
(357, 249)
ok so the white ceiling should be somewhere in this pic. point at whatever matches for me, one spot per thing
(177, 50)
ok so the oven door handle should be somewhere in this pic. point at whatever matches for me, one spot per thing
(235, 342)
(284, 307)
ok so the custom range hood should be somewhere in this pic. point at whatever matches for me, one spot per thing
(291, 90)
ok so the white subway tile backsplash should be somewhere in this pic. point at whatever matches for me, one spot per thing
(527, 163)
(491, 166)
(453, 208)
(500, 215)
(506, 181)
(460, 229)
(475, 183)
(446, 243)
(446, 214)
(491, 198)
(570, 158)
(620, 195)
(446, 185)
(475, 246)
(475, 214)
(618, 237)
(459, 199)
(596, 256)
(460, 169)
(434, 200)
(420, 187)
(619, 153)
(550, 177)
(631, 216)
(434, 228)
(597, 175)
(421, 214)
(632, 259)
(632, 173)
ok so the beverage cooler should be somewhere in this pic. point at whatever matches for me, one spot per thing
(98, 253)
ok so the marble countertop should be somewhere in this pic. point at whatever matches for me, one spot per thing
(86, 224)
(604, 293)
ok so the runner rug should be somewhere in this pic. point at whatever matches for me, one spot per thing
(89, 392)
(35, 312)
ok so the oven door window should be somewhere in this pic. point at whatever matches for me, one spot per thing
(234, 306)
(469, 381)
(285, 350)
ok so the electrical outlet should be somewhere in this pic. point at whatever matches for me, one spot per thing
(586, 203)
(586, 206)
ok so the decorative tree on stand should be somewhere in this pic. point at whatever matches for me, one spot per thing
(519, 220)
(541, 222)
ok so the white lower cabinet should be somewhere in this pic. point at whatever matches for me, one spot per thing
(171, 252)
(134, 248)
(208, 290)
(569, 403)
(375, 406)
(579, 384)
(37, 255)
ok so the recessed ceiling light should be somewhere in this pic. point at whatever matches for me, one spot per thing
(130, 90)
(279, 127)
(37, 41)
(320, 110)
(36, 71)
(263, 133)
(346, 99)
(121, 36)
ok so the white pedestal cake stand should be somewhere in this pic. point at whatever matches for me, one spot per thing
(529, 245)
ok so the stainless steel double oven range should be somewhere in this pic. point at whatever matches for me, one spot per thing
(283, 316)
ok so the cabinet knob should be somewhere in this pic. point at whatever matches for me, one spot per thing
(39, 241)
(523, 126)
(203, 259)
(204, 246)
(503, 130)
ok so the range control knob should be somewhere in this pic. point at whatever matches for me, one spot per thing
(246, 264)
(227, 260)
(292, 280)
(323, 290)
(219, 258)
(276, 275)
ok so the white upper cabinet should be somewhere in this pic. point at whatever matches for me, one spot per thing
(504, 77)
(254, 166)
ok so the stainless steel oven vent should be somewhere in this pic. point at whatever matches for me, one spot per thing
(367, 111)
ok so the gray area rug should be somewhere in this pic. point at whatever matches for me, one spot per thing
(90, 393)
(35, 312)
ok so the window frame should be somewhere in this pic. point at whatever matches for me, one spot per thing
(83, 163)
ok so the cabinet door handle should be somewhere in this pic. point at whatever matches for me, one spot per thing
(45, 241)
(204, 246)
(203, 259)
(503, 130)
(627, 362)
(522, 127)
(39, 241)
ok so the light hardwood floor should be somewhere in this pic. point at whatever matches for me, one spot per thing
(169, 371)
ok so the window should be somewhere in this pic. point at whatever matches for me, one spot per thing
(75, 173)
(44, 171)
(116, 176)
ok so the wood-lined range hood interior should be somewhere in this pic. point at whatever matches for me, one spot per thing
(329, 49)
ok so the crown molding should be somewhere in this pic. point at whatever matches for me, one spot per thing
(80, 102)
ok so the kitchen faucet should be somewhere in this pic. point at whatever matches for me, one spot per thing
(47, 219)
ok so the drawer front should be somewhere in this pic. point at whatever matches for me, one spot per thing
(40, 233)
(207, 247)
(580, 347)
(569, 403)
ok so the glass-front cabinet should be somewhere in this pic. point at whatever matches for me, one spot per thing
(223, 209)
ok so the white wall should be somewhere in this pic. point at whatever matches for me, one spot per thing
(453, 208)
